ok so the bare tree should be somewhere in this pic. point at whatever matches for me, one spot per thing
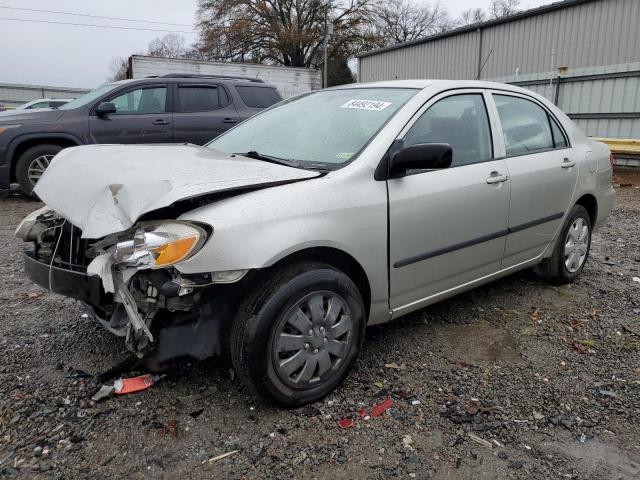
(401, 21)
(118, 69)
(172, 45)
(471, 16)
(284, 32)
(503, 8)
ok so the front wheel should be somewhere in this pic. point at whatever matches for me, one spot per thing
(32, 164)
(297, 335)
(571, 250)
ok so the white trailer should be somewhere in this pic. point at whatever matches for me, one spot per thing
(289, 81)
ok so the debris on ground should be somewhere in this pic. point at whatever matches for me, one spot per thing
(105, 391)
(135, 384)
(382, 407)
(584, 346)
(189, 399)
(220, 457)
(76, 373)
(395, 366)
(346, 423)
(608, 393)
(480, 441)
(407, 442)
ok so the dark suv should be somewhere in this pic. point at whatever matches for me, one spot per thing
(169, 109)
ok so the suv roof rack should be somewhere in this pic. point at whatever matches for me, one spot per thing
(194, 75)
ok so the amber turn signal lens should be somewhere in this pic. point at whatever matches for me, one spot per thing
(175, 251)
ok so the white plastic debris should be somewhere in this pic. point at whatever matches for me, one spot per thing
(101, 266)
(104, 392)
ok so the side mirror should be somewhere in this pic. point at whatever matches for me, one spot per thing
(106, 108)
(421, 156)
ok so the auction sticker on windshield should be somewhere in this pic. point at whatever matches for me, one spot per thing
(373, 105)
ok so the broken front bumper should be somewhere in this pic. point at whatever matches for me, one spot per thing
(192, 331)
(66, 282)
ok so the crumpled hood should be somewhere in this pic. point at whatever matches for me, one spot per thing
(104, 189)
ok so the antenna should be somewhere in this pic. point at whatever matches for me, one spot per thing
(485, 62)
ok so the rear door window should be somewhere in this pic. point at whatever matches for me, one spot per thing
(201, 98)
(459, 120)
(258, 97)
(559, 140)
(525, 125)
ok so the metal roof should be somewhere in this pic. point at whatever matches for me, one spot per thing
(473, 27)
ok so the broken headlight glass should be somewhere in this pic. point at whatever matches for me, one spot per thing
(160, 245)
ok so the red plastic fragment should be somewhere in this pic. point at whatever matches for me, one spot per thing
(346, 423)
(382, 407)
(362, 413)
(135, 384)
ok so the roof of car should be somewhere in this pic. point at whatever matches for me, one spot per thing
(197, 79)
(442, 83)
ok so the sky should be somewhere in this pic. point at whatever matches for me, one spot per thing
(79, 56)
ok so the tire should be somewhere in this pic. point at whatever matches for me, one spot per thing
(32, 161)
(262, 327)
(555, 268)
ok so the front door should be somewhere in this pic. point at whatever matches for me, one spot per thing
(543, 174)
(141, 117)
(447, 227)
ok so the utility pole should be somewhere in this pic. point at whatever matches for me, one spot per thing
(328, 31)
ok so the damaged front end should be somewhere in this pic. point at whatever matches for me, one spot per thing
(130, 282)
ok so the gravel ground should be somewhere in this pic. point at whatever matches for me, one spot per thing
(517, 379)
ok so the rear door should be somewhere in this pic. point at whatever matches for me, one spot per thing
(543, 172)
(202, 112)
(142, 116)
(447, 227)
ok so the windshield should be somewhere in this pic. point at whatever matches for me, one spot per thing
(328, 127)
(89, 97)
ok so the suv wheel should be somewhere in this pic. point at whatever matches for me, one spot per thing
(32, 164)
(571, 250)
(297, 335)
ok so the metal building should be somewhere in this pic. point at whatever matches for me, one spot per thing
(12, 95)
(582, 54)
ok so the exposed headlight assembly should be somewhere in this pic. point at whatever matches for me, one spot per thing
(36, 223)
(159, 245)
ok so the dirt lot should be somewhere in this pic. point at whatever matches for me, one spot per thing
(546, 378)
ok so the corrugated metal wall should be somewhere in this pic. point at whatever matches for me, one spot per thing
(12, 95)
(598, 38)
(426, 60)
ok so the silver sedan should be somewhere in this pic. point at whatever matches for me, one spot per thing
(278, 242)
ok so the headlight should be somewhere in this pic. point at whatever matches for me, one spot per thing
(25, 230)
(160, 245)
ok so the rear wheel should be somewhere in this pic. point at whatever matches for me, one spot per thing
(32, 164)
(296, 339)
(571, 250)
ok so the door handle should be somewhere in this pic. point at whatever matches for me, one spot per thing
(229, 120)
(566, 163)
(497, 177)
(160, 122)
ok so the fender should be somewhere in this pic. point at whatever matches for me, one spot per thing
(20, 139)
